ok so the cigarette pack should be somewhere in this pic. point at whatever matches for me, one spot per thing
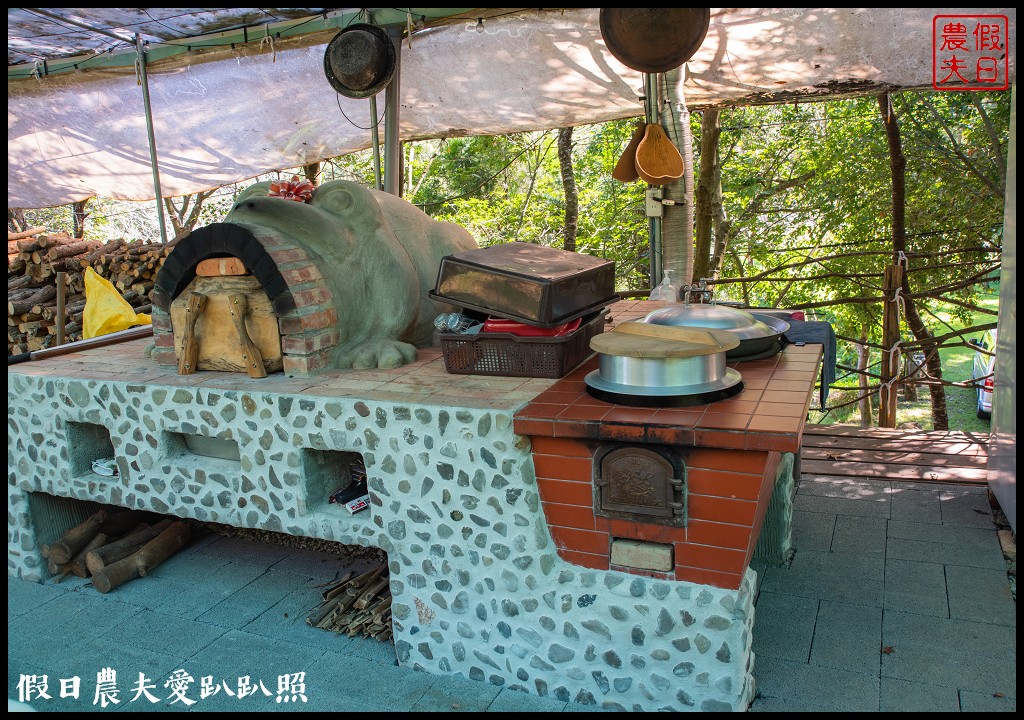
(361, 503)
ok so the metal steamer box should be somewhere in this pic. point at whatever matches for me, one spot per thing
(533, 284)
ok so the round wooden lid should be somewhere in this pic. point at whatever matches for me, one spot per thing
(643, 340)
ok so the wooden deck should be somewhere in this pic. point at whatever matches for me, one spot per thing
(892, 454)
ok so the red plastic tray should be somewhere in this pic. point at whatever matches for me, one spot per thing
(503, 325)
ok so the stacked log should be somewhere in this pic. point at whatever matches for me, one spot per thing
(114, 548)
(359, 605)
(34, 258)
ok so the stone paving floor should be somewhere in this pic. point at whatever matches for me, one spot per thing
(897, 599)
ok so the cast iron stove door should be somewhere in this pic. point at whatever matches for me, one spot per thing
(640, 484)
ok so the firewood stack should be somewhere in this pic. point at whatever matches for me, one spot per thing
(33, 260)
(359, 605)
(113, 549)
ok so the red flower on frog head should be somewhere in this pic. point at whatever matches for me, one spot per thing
(294, 189)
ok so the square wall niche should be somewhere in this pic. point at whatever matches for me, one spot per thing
(184, 445)
(324, 472)
(87, 442)
(211, 455)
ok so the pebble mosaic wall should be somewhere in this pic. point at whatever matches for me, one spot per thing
(478, 588)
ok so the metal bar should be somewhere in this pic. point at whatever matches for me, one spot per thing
(375, 135)
(140, 50)
(164, 49)
(392, 142)
(133, 333)
(62, 278)
(84, 26)
(654, 223)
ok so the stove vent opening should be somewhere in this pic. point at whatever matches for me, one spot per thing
(645, 484)
(642, 555)
(203, 459)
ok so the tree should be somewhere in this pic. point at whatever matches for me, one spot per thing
(572, 199)
(708, 202)
(750, 208)
(807, 207)
(79, 214)
(16, 220)
(186, 215)
(898, 169)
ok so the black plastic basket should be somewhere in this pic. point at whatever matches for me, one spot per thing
(508, 355)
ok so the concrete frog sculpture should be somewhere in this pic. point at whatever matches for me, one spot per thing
(380, 259)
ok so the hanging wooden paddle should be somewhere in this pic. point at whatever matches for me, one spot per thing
(658, 161)
(625, 168)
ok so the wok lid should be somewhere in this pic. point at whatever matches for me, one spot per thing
(646, 340)
(719, 317)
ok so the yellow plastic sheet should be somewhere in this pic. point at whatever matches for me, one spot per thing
(105, 310)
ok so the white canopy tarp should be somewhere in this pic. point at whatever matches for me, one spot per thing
(225, 118)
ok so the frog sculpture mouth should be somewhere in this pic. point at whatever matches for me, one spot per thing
(347, 271)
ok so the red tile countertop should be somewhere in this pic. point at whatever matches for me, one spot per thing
(768, 414)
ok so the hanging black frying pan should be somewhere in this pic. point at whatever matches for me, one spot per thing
(654, 40)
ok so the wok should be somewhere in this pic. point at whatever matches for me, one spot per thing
(654, 40)
(760, 335)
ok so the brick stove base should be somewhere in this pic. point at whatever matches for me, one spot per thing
(729, 452)
(481, 583)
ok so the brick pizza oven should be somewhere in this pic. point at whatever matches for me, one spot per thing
(304, 280)
(288, 275)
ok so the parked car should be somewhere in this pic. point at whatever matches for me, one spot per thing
(984, 365)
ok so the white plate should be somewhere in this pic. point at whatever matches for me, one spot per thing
(105, 466)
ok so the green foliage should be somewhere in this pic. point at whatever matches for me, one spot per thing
(841, 217)
(509, 188)
(806, 193)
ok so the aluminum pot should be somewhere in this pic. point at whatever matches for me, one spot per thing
(759, 335)
(646, 365)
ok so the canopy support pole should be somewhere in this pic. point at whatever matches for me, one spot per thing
(152, 138)
(144, 81)
(375, 140)
(651, 100)
(392, 143)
